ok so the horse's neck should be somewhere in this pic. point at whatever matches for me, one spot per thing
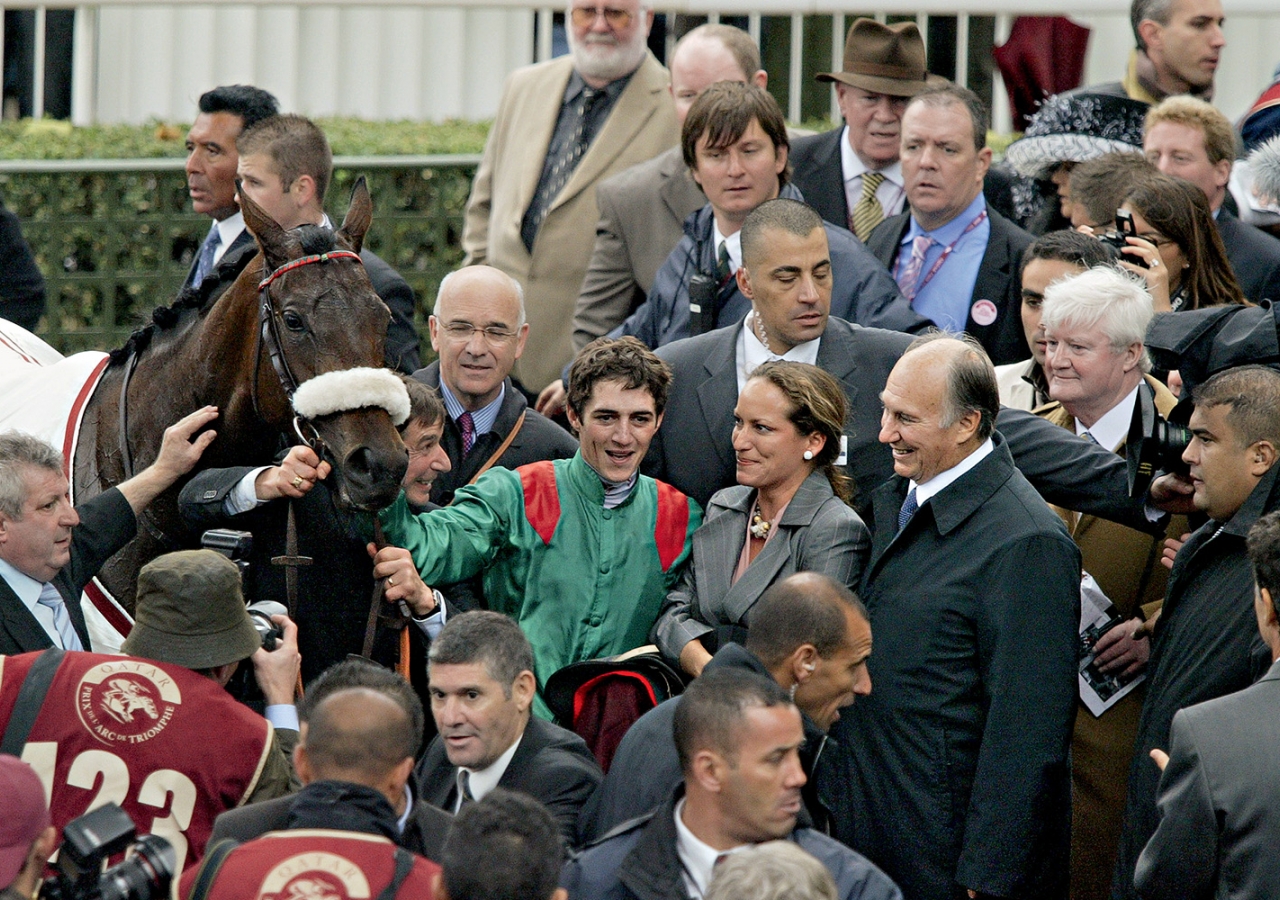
(207, 361)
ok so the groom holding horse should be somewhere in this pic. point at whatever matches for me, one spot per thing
(49, 550)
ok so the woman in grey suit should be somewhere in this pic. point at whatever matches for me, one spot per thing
(789, 512)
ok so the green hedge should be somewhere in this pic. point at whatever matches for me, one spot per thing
(48, 139)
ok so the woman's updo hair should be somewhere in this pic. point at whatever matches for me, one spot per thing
(818, 405)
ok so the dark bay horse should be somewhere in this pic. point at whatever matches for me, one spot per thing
(243, 351)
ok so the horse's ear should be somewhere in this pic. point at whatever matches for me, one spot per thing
(359, 216)
(278, 246)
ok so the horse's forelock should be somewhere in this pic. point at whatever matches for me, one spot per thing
(315, 239)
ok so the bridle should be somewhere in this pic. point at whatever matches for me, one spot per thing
(269, 334)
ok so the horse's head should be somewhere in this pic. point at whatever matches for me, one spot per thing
(322, 330)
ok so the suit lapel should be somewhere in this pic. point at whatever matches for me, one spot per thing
(992, 284)
(677, 184)
(531, 138)
(23, 629)
(832, 173)
(717, 396)
(629, 116)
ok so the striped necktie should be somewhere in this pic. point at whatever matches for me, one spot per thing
(868, 213)
(910, 273)
(204, 264)
(464, 789)
(52, 600)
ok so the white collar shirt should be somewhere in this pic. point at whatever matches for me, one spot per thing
(484, 780)
(28, 591)
(892, 192)
(945, 479)
(1111, 430)
(751, 353)
(228, 230)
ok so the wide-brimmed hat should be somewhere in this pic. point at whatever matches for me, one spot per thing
(190, 612)
(1075, 127)
(884, 59)
(25, 815)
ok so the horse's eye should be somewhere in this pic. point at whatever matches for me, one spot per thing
(293, 321)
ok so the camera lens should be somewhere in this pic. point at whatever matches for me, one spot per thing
(145, 875)
(261, 613)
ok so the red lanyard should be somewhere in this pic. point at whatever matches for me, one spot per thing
(946, 252)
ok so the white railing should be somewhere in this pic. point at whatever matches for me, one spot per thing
(139, 59)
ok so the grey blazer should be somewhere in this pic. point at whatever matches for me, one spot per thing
(1219, 801)
(818, 532)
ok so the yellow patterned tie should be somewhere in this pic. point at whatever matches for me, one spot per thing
(867, 214)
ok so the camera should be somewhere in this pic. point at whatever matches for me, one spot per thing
(704, 293)
(261, 613)
(1155, 444)
(89, 841)
(1116, 241)
(234, 545)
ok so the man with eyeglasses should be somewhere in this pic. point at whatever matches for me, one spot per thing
(561, 128)
(478, 328)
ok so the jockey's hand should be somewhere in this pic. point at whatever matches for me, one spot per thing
(403, 582)
(297, 474)
(178, 455)
(277, 672)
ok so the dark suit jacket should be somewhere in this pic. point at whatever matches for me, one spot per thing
(106, 524)
(956, 766)
(816, 170)
(424, 832)
(998, 281)
(539, 439)
(401, 350)
(21, 284)
(693, 449)
(1254, 255)
(552, 765)
(232, 261)
(1219, 801)
(645, 769)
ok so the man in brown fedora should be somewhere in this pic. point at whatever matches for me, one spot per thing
(851, 174)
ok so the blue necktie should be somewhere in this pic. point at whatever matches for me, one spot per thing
(51, 599)
(204, 265)
(909, 507)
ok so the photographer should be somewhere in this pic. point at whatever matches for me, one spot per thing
(26, 837)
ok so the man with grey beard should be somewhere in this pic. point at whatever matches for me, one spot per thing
(563, 126)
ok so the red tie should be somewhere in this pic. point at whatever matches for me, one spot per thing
(468, 432)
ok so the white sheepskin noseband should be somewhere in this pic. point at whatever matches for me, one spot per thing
(335, 392)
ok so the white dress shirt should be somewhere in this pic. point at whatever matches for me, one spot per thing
(948, 477)
(751, 353)
(228, 230)
(28, 591)
(892, 192)
(484, 780)
(1113, 428)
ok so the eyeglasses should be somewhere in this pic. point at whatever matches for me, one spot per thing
(585, 16)
(461, 332)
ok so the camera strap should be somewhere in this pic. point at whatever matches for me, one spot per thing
(209, 867)
(404, 865)
(30, 700)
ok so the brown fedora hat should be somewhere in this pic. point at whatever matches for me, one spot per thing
(884, 59)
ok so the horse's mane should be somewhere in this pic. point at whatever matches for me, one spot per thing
(313, 238)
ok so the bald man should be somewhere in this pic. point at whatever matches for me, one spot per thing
(478, 328)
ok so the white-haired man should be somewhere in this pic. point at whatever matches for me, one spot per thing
(563, 126)
(1094, 323)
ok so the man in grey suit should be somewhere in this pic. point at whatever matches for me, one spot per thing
(1219, 799)
(642, 210)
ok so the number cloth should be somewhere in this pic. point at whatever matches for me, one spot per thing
(171, 747)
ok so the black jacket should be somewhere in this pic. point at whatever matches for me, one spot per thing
(1254, 256)
(1205, 645)
(999, 280)
(552, 765)
(21, 283)
(539, 439)
(106, 524)
(646, 769)
(424, 832)
(639, 861)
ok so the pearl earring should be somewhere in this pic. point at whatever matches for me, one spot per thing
(808, 455)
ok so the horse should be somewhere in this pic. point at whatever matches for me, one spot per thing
(301, 313)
